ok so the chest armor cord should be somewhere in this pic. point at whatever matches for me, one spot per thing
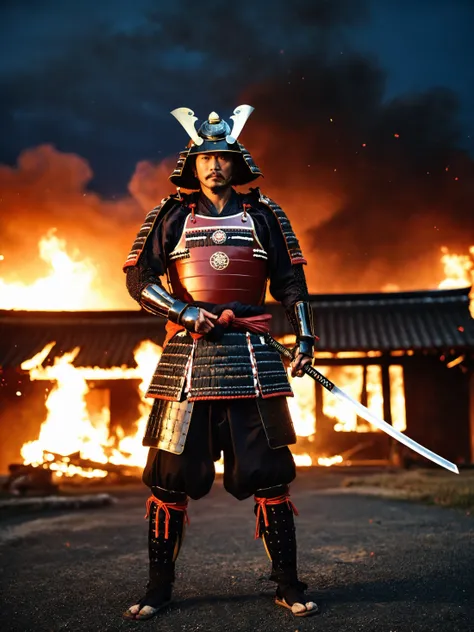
(219, 260)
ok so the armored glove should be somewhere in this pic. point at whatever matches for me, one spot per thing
(155, 299)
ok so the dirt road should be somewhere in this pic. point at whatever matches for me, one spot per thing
(373, 564)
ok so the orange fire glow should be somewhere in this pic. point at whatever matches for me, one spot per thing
(459, 272)
(72, 284)
(303, 414)
(70, 427)
(328, 461)
(303, 406)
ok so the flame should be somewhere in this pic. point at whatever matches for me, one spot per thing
(458, 269)
(397, 397)
(459, 272)
(70, 284)
(303, 405)
(374, 391)
(332, 460)
(303, 460)
(303, 413)
(349, 378)
(70, 427)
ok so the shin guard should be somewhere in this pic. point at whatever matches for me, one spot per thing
(165, 535)
(276, 527)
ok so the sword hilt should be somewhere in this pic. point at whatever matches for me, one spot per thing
(308, 369)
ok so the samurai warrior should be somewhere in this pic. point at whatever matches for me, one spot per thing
(218, 387)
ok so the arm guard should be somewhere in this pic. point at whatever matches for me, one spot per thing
(305, 334)
(300, 315)
(155, 299)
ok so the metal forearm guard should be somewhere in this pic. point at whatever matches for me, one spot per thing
(155, 299)
(304, 320)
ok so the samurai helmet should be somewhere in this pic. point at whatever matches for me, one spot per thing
(214, 135)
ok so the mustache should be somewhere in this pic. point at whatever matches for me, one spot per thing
(214, 175)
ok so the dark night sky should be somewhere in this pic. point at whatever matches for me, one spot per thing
(363, 122)
(99, 78)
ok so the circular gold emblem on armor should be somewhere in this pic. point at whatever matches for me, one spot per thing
(218, 236)
(219, 261)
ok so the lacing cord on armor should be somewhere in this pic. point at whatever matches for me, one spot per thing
(262, 509)
(137, 279)
(300, 279)
(259, 324)
(165, 507)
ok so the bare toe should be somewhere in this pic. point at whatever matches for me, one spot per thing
(147, 612)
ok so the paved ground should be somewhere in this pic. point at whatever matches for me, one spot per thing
(374, 564)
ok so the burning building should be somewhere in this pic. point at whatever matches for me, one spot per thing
(72, 383)
(374, 188)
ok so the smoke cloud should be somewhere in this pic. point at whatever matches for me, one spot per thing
(374, 187)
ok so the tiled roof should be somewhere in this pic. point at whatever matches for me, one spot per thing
(432, 320)
(435, 319)
(106, 339)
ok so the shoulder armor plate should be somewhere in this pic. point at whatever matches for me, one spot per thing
(292, 244)
(146, 229)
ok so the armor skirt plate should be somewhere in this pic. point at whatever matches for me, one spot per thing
(239, 365)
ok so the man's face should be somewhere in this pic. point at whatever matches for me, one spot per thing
(214, 170)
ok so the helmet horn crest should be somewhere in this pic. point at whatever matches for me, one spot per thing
(186, 117)
(240, 116)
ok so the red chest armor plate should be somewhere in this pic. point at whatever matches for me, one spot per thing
(219, 260)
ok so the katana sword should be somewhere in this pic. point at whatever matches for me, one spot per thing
(362, 411)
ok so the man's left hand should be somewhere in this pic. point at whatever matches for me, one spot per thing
(298, 364)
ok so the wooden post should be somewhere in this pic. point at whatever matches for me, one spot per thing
(363, 395)
(387, 411)
(394, 456)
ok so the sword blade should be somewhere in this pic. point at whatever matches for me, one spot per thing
(364, 412)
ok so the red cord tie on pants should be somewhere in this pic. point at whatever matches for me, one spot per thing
(262, 509)
(166, 507)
